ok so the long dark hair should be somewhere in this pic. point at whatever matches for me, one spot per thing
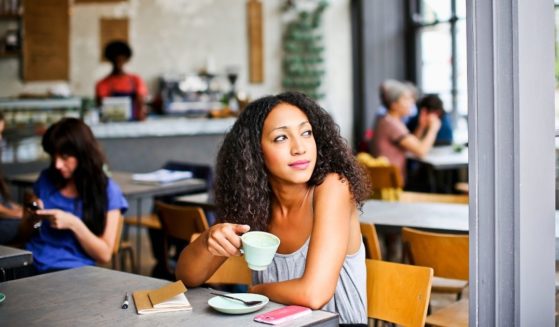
(72, 137)
(242, 192)
(4, 192)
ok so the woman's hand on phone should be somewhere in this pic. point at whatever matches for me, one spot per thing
(58, 219)
(224, 239)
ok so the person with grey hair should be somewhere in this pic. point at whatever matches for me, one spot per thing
(391, 137)
(389, 86)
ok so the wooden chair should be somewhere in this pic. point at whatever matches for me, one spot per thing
(370, 239)
(121, 247)
(384, 178)
(447, 254)
(179, 222)
(433, 197)
(148, 221)
(201, 171)
(398, 293)
(233, 271)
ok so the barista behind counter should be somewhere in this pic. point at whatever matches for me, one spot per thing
(120, 83)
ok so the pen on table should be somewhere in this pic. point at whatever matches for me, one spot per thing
(125, 303)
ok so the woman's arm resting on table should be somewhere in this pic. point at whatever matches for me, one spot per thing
(420, 147)
(15, 211)
(100, 248)
(201, 258)
(330, 239)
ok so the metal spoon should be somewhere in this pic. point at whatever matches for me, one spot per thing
(248, 303)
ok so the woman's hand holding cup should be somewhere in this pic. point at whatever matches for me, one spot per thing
(224, 239)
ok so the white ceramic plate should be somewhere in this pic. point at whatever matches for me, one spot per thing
(226, 305)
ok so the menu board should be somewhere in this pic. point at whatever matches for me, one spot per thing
(46, 44)
(112, 29)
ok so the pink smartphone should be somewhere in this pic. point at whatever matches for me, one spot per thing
(282, 315)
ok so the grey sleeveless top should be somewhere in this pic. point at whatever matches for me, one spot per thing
(350, 298)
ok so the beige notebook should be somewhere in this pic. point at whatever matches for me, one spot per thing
(165, 299)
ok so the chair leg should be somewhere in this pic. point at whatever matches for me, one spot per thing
(459, 296)
(123, 260)
(114, 261)
(132, 263)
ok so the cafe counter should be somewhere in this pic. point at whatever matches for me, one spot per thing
(143, 146)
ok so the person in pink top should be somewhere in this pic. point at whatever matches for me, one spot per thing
(120, 83)
(391, 137)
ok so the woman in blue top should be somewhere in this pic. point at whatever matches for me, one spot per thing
(81, 206)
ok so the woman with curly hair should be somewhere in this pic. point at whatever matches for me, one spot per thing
(284, 168)
(80, 204)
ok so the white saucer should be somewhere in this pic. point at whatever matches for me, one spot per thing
(228, 306)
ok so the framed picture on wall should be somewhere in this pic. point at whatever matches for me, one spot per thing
(111, 29)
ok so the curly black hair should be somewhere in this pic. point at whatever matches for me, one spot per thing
(117, 48)
(242, 192)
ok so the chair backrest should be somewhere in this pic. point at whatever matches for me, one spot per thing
(384, 177)
(398, 293)
(433, 197)
(447, 254)
(120, 226)
(181, 221)
(233, 271)
(386, 182)
(198, 170)
(370, 238)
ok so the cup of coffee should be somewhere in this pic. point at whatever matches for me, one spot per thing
(259, 249)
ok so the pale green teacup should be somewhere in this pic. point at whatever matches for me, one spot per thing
(259, 249)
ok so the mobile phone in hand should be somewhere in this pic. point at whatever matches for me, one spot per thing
(282, 315)
(32, 205)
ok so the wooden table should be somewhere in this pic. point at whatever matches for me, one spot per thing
(436, 216)
(443, 217)
(442, 166)
(13, 258)
(202, 200)
(445, 157)
(130, 188)
(92, 296)
(133, 191)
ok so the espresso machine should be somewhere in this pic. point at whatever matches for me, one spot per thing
(191, 94)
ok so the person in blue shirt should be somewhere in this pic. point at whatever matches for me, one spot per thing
(431, 104)
(80, 205)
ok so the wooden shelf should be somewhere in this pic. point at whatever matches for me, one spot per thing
(10, 16)
(11, 54)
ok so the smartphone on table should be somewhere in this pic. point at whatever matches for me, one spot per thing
(282, 315)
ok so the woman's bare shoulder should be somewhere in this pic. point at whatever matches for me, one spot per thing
(333, 183)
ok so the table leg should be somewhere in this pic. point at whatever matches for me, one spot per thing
(138, 234)
(432, 179)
